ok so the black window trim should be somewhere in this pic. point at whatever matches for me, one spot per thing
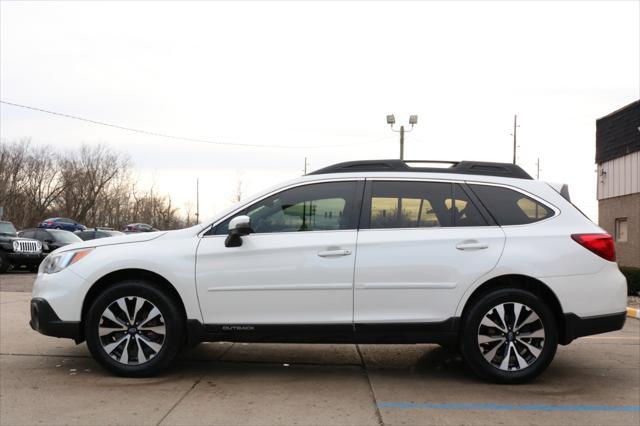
(207, 232)
(365, 211)
(478, 205)
(556, 211)
(363, 193)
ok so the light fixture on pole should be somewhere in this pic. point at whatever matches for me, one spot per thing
(391, 120)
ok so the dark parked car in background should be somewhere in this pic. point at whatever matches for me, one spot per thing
(51, 239)
(17, 252)
(94, 234)
(62, 223)
(139, 227)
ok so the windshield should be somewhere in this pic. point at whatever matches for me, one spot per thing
(6, 228)
(65, 236)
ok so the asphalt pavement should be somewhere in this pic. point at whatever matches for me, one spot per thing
(44, 380)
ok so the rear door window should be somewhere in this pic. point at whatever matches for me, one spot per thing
(509, 207)
(402, 204)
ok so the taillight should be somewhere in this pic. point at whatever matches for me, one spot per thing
(600, 244)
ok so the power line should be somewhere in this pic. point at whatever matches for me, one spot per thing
(183, 138)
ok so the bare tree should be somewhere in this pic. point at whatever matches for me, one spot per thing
(86, 175)
(188, 209)
(93, 186)
(43, 183)
(13, 157)
(237, 194)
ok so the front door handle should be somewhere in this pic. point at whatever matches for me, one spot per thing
(472, 246)
(334, 253)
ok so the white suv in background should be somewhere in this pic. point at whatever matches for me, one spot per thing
(476, 255)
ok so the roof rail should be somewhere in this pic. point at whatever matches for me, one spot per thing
(458, 167)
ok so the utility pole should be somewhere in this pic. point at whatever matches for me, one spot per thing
(197, 200)
(402, 142)
(305, 165)
(515, 130)
(391, 120)
(538, 169)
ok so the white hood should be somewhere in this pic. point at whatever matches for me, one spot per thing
(124, 239)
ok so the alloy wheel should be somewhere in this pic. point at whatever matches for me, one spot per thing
(511, 336)
(132, 330)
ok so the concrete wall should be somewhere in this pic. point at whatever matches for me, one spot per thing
(628, 206)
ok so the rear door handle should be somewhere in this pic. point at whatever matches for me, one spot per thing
(334, 253)
(472, 246)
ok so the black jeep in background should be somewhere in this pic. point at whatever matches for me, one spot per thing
(51, 239)
(17, 252)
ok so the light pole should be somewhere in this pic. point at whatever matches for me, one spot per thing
(391, 120)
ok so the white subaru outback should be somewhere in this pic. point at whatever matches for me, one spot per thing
(474, 255)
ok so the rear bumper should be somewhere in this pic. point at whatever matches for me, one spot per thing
(576, 326)
(45, 321)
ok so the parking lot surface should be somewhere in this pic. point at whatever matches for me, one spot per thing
(44, 380)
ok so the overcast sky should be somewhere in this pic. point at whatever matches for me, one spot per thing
(313, 75)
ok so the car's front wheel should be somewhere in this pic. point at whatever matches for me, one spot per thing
(4, 263)
(134, 329)
(509, 336)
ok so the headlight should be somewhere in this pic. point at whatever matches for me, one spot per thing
(58, 262)
(16, 246)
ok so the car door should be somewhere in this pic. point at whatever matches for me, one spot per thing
(62, 223)
(421, 245)
(296, 267)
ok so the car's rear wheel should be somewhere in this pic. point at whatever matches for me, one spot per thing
(509, 336)
(134, 329)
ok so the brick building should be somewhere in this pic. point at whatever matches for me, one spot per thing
(618, 158)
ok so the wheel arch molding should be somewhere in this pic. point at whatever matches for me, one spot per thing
(523, 282)
(129, 274)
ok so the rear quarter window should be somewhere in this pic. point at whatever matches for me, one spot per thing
(509, 207)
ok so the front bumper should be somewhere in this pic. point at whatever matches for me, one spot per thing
(44, 320)
(25, 258)
(576, 326)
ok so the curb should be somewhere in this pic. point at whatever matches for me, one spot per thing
(633, 313)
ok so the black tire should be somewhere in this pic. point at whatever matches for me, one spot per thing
(544, 347)
(4, 263)
(171, 344)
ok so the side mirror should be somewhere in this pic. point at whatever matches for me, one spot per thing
(238, 226)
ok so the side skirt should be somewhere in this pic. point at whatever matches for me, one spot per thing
(430, 332)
